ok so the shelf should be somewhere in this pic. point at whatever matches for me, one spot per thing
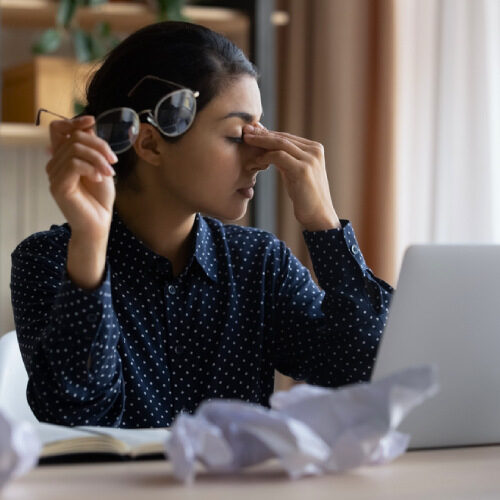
(13, 134)
(124, 17)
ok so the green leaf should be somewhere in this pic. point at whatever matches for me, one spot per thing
(171, 10)
(97, 48)
(110, 43)
(66, 12)
(103, 29)
(78, 107)
(113, 41)
(102, 40)
(49, 41)
(162, 9)
(81, 43)
(91, 3)
(175, 14)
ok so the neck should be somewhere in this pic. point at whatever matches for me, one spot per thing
(161, 225)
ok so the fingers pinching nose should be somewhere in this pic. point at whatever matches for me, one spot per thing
(254, 129)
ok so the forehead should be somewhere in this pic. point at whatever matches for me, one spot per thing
(243, 95)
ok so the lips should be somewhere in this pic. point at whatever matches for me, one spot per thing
(247, 192)
(250, 186)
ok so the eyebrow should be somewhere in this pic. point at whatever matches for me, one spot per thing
(246, 117)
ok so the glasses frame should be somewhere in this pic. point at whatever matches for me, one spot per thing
(151, 115)
(104, 113)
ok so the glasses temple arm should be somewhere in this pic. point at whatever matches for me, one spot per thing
(152, 77)
(43, 110)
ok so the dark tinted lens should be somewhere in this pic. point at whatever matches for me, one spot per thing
(176, 112)
(119, 128)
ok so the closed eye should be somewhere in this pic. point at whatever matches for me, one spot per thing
(238, 140)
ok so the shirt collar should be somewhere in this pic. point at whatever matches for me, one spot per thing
(205, 249)
(124, 245)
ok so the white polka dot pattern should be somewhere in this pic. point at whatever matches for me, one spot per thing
(144, 345)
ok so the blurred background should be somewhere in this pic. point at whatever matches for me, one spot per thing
(403, 94)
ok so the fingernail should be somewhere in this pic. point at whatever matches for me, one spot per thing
(112, 170)
(114, 157)
(248, 128)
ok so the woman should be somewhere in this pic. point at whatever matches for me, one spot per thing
(140, 307)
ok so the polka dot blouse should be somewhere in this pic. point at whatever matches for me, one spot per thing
(145, 345)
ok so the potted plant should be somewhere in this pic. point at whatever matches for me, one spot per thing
(93, 45)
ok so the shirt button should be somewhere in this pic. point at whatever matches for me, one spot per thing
(355, 249)
(179, 349)
(91, 318)
(171, 289)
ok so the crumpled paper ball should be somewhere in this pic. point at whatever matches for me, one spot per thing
(309, 429)
(19, 448)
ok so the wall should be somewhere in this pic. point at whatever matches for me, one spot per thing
(26, 206)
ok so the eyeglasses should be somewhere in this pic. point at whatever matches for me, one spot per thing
(173, 114)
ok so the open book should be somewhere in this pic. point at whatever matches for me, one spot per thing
(81, 444)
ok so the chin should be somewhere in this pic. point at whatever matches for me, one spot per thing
(234, 219)
(229, 214)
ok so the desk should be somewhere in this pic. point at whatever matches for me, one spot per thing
(462, 473)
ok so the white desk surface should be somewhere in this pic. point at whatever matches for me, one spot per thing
(460, 473)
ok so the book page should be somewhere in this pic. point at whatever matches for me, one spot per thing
(50, 433)
(59, 439)
(133, 438)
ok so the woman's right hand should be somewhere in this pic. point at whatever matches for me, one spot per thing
(81, 178)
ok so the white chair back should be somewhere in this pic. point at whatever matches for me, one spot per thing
(13, 380)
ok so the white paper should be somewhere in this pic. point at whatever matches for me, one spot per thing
(19, 448)
(309, 429)
(228, 435)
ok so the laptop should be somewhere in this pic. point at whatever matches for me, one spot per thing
(446, 311)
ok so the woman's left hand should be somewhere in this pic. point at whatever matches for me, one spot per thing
(301, 163)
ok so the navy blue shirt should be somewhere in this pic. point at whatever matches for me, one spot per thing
(145, 345)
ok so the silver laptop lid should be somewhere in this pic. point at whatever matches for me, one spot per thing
(446, 310)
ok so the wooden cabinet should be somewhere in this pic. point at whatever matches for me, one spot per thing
(44, 82)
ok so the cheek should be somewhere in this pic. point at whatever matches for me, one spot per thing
(208, 161)
(220, 156)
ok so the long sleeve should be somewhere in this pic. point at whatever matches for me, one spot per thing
(67, 336)
(146, 345)
(329, 336)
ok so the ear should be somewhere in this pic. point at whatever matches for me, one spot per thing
(147, 144)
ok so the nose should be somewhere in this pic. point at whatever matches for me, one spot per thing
(251, 153)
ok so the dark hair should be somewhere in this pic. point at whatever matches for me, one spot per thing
(189, 54)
